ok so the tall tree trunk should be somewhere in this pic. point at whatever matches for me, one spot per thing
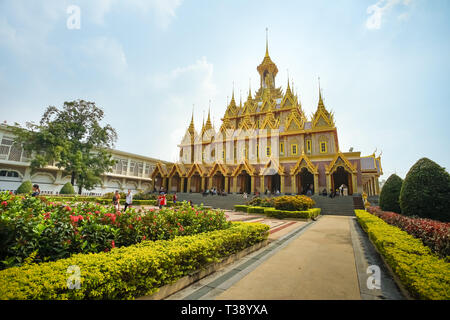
(80, 188)
(72, 180)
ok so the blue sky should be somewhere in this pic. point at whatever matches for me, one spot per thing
(384, 66)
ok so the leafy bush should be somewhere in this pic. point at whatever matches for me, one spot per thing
(423, 273)
(390, 193)
(240, 208)
(55, 230)
(434, 234)
(293, 203)
(285, 214)
(67, 189)
(426, 191)
(261, 202)
(129, 272)
(255, 209)
(25, 187)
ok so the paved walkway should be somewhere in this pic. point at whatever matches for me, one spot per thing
(317, 265)
(325, 260)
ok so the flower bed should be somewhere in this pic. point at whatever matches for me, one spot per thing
(423, 273)
(129, 272)
(37, 230)
(434, 234)
(286, 214)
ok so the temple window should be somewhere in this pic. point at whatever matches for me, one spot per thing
(281, 148)
(308, 146)
(268, 151)
(294, 149)
(323, 147)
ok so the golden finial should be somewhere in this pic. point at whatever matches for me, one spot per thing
(267, 42)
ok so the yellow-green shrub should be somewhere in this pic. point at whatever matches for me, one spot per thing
(423, 273)
(285, 214)
(240, 208)
(128, 272)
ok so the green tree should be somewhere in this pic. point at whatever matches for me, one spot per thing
(67, 189)
(72, 139)
(390, 193)
(426, 191)
(25, 187)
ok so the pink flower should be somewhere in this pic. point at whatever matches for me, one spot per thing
(144, 237)
(4, 203)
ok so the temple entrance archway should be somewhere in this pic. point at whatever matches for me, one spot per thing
(342, 177)
(196, 183)
(304, 181)
(175, 183)
(218, 181)
(244, 182)
(274, 183)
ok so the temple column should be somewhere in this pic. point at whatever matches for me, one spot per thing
(203, 184)
(370, 187)
(227, 179)
(182, 184)
(188, 184)
(293, 185)
(282, 184)
(316, 183)
(253, 179)
(377, 186)
(261, 187)
(210, 181)
(169, 188)
(354, 183)
(329, 182)
(235, 184)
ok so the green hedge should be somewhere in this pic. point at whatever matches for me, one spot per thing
(423, 273)
(256, 209)
(240, 208)
(128, 272)
(284, 214)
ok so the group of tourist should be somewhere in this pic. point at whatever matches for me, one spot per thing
(213, 192)
(341, 191)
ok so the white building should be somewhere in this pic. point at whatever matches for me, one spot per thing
(131, 171)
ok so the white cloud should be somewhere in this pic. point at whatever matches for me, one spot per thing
(380, 9)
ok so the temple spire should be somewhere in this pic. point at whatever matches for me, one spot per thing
(191, 128)
(249, 89)
(267, 42)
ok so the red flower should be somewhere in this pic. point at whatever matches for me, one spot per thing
(97, 212)
(4, 203)
(144, 237)
(113, 244)
(130, 226)
(67, 208)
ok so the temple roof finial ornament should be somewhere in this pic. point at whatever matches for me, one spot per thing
(267, 42)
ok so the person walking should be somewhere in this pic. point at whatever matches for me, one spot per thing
(128, 200)
(116, 200)
(341, 190)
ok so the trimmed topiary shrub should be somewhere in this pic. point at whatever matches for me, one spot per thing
(67, 189)
(426, 191)
(293, 203)
(390, 193)
(25, 187)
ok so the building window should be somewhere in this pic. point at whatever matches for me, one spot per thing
(11, 174)
(268, 151)
(223, 154)
(281, 148)
(294, 149)
(308, 146)
(257, 150)
(323, 147)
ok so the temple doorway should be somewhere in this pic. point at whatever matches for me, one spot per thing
(304, 181)
(196, 183)
(244, 182)
(342, 177)
(218, 181)
(274, 183)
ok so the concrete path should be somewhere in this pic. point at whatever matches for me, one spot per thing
(319, 264)
(324, 260)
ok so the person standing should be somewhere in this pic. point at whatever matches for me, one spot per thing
(175, 198)
(116, 200)
(128, 200)
(341, 190)
(36, 190)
